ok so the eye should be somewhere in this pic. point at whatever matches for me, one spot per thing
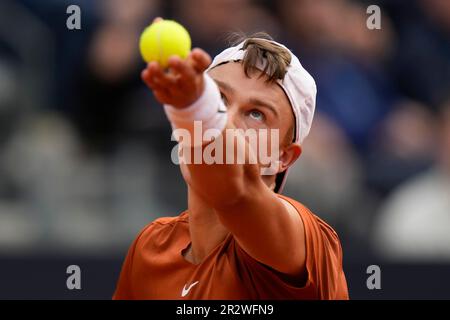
(257, 115)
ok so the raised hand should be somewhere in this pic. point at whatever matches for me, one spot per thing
(182, 83)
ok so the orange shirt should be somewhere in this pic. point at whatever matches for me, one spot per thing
(155, 268)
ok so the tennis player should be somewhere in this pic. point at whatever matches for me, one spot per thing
(239, 237)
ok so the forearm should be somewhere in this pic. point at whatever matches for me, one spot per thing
(222, 183)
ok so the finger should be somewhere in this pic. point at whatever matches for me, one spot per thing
(157, 19)
(148, 74)
(154, 86)
(148, 80)
(159, 76)
(144, 74)
(183, 69)
(201, 59)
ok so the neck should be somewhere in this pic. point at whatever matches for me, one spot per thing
(205, 228)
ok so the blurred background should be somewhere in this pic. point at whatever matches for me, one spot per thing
(85, 149)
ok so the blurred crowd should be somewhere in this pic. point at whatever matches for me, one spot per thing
(85, 148)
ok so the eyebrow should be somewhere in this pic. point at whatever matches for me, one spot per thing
(253, 100)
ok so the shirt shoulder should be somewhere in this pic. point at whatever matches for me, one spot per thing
(162, 228)
(314, 225)
(304, 211)
(323, 254)
(170, 221)
(153, 239)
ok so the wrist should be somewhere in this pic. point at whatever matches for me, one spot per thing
(208, 109)
(201, 109)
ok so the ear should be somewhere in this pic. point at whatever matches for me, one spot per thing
(289, 155)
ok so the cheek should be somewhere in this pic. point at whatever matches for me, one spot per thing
(268, 143)
(274, 142)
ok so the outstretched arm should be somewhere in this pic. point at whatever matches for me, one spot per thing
(266, 227)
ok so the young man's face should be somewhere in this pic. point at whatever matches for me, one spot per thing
(255, 104)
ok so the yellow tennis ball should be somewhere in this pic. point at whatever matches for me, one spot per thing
(163, 39)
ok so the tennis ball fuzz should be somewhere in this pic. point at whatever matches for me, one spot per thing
(163, 39)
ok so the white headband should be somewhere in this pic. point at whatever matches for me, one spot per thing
(298, 85)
